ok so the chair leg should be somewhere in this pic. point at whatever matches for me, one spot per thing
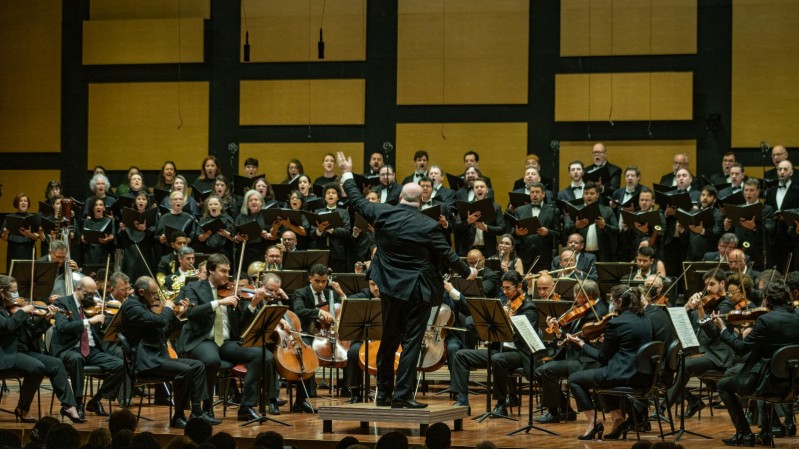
(635, 417)
(660, 423)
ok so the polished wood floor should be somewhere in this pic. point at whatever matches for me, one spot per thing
(305, 431)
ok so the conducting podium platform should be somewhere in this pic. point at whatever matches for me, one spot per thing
(366, 413)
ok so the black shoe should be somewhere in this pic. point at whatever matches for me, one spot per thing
(693, 409)
(96, 406)
(595, 432)
(22, 416)
(281, 402)
(303, 407)
(464, 404)
(81, 414)
(383, 401)
(247, 413)
(75, 419)
(354, 399)
(763, 439)
(778, 431)
(513, 401)
(178, 422)
(207, 418)
(125, 403)
(620, 431)
(790, 429)
(548, 418)
(500, 409)
(410, 403)
(740, 440)
(273, 409)
(163, 401)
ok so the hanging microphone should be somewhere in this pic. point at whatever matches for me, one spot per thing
(321, 45)
(247, 46)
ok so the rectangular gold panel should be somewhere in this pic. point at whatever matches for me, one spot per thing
(627, 27)
(502, 148)
(273, 158)
(30, 76)
(148, 9)
(652, 157)
(624, 96)
(144, 41)
(142, 124)
(319, 102)
(765, 100)
(288, 30)
(462, 52)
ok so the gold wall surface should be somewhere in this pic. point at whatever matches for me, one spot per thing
(143, 41)
(300, 102)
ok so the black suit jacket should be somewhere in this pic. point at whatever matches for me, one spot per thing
(624, 336)
(11, 325)
(585, 264)
(698, 244)
(613, 184)
(201, 316)
(411, 249)
(618, 196)
(393, 189)
(709, 337)
(532, 245)
(607, 238)
(68, 330)
(530, 311)
(304, 304)
(661, 323)
(145, 333)
(464, 234)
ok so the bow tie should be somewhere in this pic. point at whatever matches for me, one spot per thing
(577, 188)
(536, 206)
(783, 186)
(331, 210)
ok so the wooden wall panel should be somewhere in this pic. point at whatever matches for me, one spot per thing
(624, 96)
(148, 9)
(140, 124)
(300, 102)
(143, 41)
(462, 52)
(288, 30)
(765, 63)
(502, 148)
(652, 157)
(627, 27)
(30, 76)
(274, 157)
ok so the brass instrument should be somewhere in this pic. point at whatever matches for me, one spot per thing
(537, 275)
(256, 268)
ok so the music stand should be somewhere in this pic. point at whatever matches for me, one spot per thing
(351, 283)
(564, 287)
(257, 335)
(292, 279)
(304, 260)
(612, 273)
(695, 270)
(44, 275)
(361, 319)
(549, 308)
(469, 289)
(493, 326)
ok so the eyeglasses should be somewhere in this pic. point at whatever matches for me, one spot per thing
(154, 293)
(505, 288)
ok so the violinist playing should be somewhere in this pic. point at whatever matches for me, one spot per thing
(512, 355)
(18, 354)
(568, 359)
(771, 331)
(212, 333)
(144, 330)
(715, 355)
(624, 336)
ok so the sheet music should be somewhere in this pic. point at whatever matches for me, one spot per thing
(682, 327)
(528, 333)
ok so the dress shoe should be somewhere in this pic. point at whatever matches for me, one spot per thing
(410, 403)
(273, 409)
(281, 402)
(22, 416)
(548, 418)
(178, 422)
(383, 401)
(207, 418)
(621, 430)
(461, 403)
(247, 413)
(74, 417)
(354, 399)
(79, 407)
(595, 432)
(790, 429)
(763, 439)
(500, 409)
(778, 430)
(96, 407)
(303, 407)
(693, 409)
(740, 440)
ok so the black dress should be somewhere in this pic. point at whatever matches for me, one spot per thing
(19, 247)
(216, 243)
(256, 248)
(132, 263)
(182, 222)
(97, 253)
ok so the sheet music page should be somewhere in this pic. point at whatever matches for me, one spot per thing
(682, 327)
(528, 333)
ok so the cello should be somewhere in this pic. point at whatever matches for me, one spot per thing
(434, 349)
(329, 349)
(294, 358)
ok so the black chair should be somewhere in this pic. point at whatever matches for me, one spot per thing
(784, 373)
(650, 357)
(669, 375)
(129, 357)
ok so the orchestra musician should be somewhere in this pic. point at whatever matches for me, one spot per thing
(624, 336)
(144, 330)
(513, 355)
(77, 341)
(185, 268)
(489, 277)
(58, 253)
(168, 264)
(771, 331)
(646, 264)
(212, 333)
(16, 332)
(584, 262)
(568, 360)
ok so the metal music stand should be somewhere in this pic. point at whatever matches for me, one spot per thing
(612, 273)
(43, 277)
(257, 335)
(493, 326)
(351, 283)
(547, 308)
(361, 319)
(304, 260)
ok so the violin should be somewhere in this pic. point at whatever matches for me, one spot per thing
(295, 359)
(710, 301)
(742, 317)
(513, 305)
(39, 307)
(594, 329)
(742, 304)
(245, 292)
(573, 314)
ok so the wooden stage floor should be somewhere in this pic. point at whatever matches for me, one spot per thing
(305, 430)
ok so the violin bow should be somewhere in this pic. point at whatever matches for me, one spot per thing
(33, 268)
(160, 292)
(238, 272)
(105, 284)
(580, 284)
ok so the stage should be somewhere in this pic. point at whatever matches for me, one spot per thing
(306, 431)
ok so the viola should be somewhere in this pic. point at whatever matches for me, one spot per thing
(593, 330)
(434, 348)
(295, 359)
(749, 316)
(742, 304)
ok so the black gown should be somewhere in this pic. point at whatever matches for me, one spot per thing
(182, 222)
(216, 243)
(256, 248)
(132, 263)
(97, 253)
(19, 247)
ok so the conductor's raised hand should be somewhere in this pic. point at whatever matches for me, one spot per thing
(344, 162)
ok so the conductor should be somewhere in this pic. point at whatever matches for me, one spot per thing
(410, 248)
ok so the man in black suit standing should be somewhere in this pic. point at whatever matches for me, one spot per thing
(388, 190)
(724, 176)
(783, 196)
(77, 341)
(680, 161)
(533, 162)
(600, 156)
(443, 194)
(530, 245)
(601, 235)
(420, 159)
(471, 232)
(575, 189)
(145, 332)
(759, 229)
(410, 250)
(778, 154)
(212, 333)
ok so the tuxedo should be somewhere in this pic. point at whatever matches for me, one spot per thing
(445, 195)
(66, 343)
(548, 199)
(519, 183)
(606, 238)
(668, 180)
(698, 244)
(532, 245)
(307, 306)
(727, 191)
(567, 194)
(612, 184)
(465, 234)
(783, 241)
(413, 177)
(764, 223)
(463, 194)
(618, 196)
(411, 250)
(392, 192)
